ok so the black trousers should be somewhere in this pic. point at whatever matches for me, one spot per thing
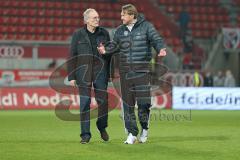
(99, 83)
(135, 87)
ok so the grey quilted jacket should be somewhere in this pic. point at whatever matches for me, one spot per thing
(134, 47)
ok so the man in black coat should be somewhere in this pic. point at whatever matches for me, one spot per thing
(135, 37)
(88, 69)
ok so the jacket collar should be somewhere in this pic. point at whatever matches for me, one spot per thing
(85, 34)
(140, 19)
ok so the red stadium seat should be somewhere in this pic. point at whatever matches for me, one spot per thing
(59, 13)
(32, 21)
(49, 30)
(22, 12)
(57, 21)
(5, 4)
(164, 2)
(31, 29)
(75, 22)
(32, 12)
(203, 17)
(212, 18)
(49, 12)
(58, 5)
(32, 4)
(49, 21)
(67, 31)
(158, 24)
(40, 4)
(166, 33)
(196, 33)
(176, 42)
(23, 4)
(10, 36)
(107, 23)
(67, 13)
(116, 7)
(66, 21)
(13, 12)
(39, 30)
(76, 14)
(76, 6)
(66, 6)
(49, 4)
(22, 29)
(15, 4)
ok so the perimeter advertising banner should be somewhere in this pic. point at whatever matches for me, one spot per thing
(18, 51)
(43, 98)
(206, 98)
(13, 77)
(47, 98)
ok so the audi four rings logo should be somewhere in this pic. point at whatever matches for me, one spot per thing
(11, 51)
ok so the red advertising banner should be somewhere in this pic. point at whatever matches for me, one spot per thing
(176, 79)
(47, 98)
(40, 98)
(163, 101)
(53, 52)
(15, 51)
(27, 75)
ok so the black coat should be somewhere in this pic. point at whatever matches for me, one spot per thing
(135, 46)
(81, 52)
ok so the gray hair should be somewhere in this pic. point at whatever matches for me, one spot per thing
(86, 14)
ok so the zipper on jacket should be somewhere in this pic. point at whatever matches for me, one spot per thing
(130, 50)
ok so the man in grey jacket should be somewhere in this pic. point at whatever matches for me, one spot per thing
(134, 39)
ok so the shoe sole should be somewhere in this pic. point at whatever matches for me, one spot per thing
(130, 143)
(140, 141)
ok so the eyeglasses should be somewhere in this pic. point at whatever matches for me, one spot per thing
(95, 18)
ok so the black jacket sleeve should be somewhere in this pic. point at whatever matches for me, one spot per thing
(155, 39)
(72, 60)
(112, 47)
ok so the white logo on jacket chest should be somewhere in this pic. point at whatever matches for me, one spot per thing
(125, 33)
(138, 36)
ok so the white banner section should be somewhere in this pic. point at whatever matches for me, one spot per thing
(206, 98)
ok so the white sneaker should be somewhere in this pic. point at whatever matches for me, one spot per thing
(143, 137)
(130, 139)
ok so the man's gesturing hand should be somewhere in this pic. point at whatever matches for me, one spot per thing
(73, 83)
(101, 49)
(162, 52)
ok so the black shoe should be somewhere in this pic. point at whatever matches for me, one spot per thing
(85, 140)
(104, 135)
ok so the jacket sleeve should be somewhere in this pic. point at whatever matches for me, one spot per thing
(112, 47)
(106, 34)
(155, 39)
(72, 60)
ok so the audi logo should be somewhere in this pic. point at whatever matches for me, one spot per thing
(11, 51)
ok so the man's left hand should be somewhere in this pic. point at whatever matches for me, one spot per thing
(101, 49)
(162, 52)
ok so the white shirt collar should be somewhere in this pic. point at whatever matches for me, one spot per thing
(130, 26)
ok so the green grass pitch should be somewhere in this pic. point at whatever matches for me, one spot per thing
(173, 135)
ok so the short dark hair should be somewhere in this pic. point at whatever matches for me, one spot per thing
(130, 10)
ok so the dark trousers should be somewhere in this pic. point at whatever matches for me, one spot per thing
(135, 87)
(99, 83)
